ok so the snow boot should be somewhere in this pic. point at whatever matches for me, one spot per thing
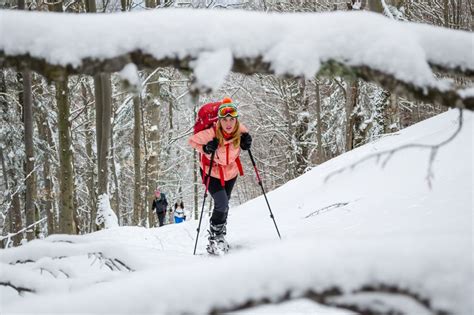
(217, 243)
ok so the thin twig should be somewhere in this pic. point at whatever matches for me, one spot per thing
(390, 153)
(19, 289)
(9, 235)
(327, 208)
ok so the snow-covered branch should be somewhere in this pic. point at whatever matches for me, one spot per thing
(357, 301)
(19, 289)
(400, 56)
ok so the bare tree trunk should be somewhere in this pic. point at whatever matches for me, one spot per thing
(147, 214)
(196, 181)
(170, 113)
(391, 114)
(375, 6)
(3, 89)
(116, 195)
(66, 181)
(103, 102)
(153, 114)
(47, 196)
(37, 227)
(103, 149)
(290, 174)
(301, 129)
(16, 223)
(98, 137)
(91, 6)
(30, 177)
(90, 180)
(319, 129)
(125, 4)
(351, 103)
(14, 217)
(48, 193)
(103, 97)
(57, 6)
(148, 196)
(446, 13)
(4, 169)
(143, 201)
(6, 228)
(27, 101)
(151, 3)
(137, 201)
(91, 161)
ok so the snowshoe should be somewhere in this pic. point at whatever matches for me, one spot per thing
(217, 243)
(217, 247)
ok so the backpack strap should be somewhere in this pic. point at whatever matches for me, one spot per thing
(221, 175)
(239, 166)
(204, 161)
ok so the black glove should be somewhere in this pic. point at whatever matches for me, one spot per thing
(211, 146)
(245, 141)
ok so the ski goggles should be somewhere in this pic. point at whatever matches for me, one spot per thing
(226, 110)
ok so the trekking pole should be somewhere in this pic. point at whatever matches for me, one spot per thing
(263, 190)
(207, 179)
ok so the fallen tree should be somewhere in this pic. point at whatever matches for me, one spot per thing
(289, 45)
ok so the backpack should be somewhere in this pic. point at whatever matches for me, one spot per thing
(207, 115)
(207, 118)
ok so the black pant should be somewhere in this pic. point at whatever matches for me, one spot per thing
(221, 196)
(161, 217)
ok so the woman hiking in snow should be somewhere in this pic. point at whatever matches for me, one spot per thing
(225, 140)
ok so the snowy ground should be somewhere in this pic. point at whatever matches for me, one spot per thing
(368, 237)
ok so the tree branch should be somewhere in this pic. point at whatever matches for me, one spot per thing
(327, 297)
(327, 208)
(20, 290)
(249, 66)
(111, 263)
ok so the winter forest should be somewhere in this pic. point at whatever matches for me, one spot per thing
(99, 98)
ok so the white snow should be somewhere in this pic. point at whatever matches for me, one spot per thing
(365, 226)
(130, 74)
(295, 43)
(211, 68)
(105, 214)
(465, 93)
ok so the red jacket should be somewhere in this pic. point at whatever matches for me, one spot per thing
(227, 163)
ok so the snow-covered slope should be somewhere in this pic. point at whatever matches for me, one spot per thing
(367, 236)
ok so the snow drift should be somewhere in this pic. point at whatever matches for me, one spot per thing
(368, 237)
